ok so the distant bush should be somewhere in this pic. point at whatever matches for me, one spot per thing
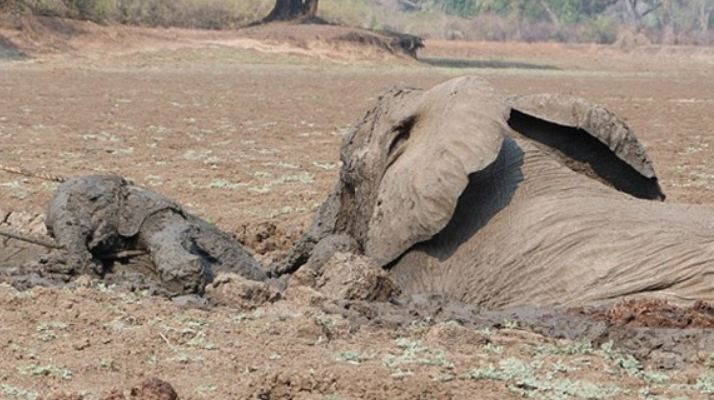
(202, 14)
(93, 10)
(600, 30)
(491, 27)
(350, 12)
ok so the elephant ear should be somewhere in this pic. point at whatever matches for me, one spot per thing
(452, 131)
(594, 140)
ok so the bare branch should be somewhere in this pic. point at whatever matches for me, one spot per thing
(39, 175)
(651, 9)
(551, 14)
(29, 239)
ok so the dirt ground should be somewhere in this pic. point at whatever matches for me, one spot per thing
(245, 132)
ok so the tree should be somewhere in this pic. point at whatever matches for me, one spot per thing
(551, 14)
(593, 8)
(706, 8)
(289, 10)
(638, 9)
(458, 7)
(559, 12)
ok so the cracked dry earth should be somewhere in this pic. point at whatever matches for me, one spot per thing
(250, 141)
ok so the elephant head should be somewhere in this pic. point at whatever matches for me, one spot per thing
(409, 159)
(404, 165)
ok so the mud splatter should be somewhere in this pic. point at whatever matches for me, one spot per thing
(655, 314)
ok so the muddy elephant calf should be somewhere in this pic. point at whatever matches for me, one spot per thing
(93, 217)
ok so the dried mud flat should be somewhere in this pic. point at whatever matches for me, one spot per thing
(249, 140)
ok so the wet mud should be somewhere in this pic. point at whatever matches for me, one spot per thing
(651, 340)
(655, 314)
(149, 389)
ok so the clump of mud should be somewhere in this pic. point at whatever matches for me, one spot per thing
(351, 277)
(655, 313)
(347, 276)
(233, 290)
(13, 253)
(150, 389)
(20, 221)
(264, 238)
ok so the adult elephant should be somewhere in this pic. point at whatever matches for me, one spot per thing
(538, 200)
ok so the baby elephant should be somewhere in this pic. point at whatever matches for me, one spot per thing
(95, 217)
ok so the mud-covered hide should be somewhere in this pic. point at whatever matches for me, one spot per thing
(86, 209)
(102, 208)
(224, 252)
(94, 218)
(137, 204)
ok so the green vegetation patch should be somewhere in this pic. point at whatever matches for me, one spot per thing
(523, 379)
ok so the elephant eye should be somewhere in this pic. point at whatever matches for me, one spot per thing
(401, 134)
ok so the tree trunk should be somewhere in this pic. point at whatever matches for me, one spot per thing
(309, 8)
(288, 10)
(705, 12)
(668, 35)
(632, 10)
(551, 14)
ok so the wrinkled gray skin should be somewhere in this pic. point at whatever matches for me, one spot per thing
(538, 200)
(93, 217)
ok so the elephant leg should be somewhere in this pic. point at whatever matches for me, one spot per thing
(225, 253)
(167, 236)
(311, 253)
(298, 255)
(327, 247)
(323, 226)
